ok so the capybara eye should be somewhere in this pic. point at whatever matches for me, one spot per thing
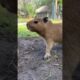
(35, 22)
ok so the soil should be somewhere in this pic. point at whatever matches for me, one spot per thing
(32, 66)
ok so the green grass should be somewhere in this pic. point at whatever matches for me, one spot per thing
(22, 19)
(56, 21)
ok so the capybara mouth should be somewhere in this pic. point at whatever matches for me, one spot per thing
(30, 27)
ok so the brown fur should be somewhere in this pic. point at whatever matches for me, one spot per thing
(50, 32)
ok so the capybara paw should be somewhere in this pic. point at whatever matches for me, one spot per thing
(47, 56)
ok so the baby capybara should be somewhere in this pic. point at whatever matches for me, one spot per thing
(52, 33)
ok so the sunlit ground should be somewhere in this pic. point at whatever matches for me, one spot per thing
(24, 32)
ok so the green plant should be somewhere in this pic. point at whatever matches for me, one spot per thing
(30, 9)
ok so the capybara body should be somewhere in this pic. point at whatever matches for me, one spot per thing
(52, 33)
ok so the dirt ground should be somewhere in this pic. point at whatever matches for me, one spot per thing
(31, 65)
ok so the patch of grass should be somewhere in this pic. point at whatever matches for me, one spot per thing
(56, 21)
(20, 20)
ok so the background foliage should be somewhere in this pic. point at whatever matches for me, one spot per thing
(29, 6)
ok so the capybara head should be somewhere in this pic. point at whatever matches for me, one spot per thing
(38, 24)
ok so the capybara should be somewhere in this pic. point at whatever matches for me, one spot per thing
(52, 33)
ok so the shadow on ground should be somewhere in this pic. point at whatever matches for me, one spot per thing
(31, 65)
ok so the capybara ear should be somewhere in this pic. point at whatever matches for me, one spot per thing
(45, 19)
